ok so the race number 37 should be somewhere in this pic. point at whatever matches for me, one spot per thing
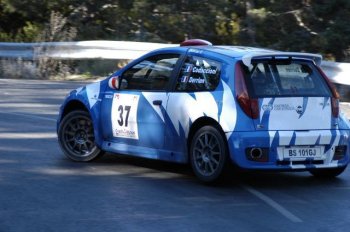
(124, 116)
(121, 120)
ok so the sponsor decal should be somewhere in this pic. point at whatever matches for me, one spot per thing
(196, 80)
(188, 68)
(299, 110)
(267, 107)
(195, 50)
(201, 70)
(192, 80)
(108, 96)
(184, 79)
(283, 107)
(124, 116)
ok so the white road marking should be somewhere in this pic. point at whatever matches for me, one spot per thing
(30, 116)
(28, 135)
(273, 204)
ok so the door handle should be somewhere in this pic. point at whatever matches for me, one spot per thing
(157, 102)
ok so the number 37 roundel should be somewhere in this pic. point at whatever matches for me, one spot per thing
(124, 116)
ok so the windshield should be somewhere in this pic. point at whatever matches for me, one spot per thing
(271, 78)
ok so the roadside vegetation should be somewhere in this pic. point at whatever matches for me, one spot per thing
(302, 25)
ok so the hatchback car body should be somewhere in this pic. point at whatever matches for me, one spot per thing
(212, 105)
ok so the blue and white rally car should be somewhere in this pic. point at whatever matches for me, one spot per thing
(211, 105)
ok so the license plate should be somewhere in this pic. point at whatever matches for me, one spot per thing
(302, 153)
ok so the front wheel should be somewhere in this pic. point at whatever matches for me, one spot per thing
(327, 172)
(76, 137)
(208, 154)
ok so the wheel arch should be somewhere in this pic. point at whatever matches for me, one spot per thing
(199, 123)
(221, 169)
(76, 104)
(73, 105)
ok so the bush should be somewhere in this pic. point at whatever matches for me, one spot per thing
(18, 68)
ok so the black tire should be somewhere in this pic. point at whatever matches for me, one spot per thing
(327, 172)
(208, 154)
(76, 137)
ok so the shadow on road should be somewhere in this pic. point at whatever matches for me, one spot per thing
(132, 167)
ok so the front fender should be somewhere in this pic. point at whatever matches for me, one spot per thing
(86, 98)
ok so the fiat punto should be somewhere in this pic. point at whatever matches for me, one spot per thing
(211, 105)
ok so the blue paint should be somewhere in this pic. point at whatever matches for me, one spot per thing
(305, 100)
(160, 139)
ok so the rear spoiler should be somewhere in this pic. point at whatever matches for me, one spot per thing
(247, 59)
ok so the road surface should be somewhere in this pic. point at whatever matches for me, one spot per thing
(41, 190)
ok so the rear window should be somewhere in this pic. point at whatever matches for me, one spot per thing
(271, 78)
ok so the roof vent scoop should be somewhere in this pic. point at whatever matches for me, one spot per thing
(195, 42)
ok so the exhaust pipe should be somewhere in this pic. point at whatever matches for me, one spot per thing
(256, 153)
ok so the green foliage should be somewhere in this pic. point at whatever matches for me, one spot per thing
(299, 25)
(28, 33)
(56, 30)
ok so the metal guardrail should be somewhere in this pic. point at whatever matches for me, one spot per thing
(99, 49)
(102, 49)
(339, 73)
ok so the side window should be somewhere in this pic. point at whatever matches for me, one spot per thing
(152, 73)
(199, 74)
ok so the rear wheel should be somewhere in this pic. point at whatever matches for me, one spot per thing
(208, 154)
(76, 137)
(327, 173)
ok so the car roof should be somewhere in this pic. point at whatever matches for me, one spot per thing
(234, 51)
(246, 54)
(231, 51)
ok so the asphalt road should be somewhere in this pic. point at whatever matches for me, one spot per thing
(41, 190)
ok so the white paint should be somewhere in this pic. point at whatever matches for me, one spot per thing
(314, 117)
(272, 136)
(124, 116)
(79, 90)
(279, 208)
(153, 96)
(247, 59)
(93, 92)
(182, 108)
(228, 117)
(207, 104)
(307, 137)
(285, 137)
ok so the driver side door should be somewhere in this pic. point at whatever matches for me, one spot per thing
(133, 114)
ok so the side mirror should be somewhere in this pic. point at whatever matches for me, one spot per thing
(113, 82)
(124, 84)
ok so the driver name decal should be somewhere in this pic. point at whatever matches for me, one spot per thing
(124, 116)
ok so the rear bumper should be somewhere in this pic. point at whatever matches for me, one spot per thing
(273, 143)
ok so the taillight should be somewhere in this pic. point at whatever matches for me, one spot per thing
(250, 106)
(335, 94)
(335, 107)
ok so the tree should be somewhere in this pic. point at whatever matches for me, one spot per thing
(300, 25)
